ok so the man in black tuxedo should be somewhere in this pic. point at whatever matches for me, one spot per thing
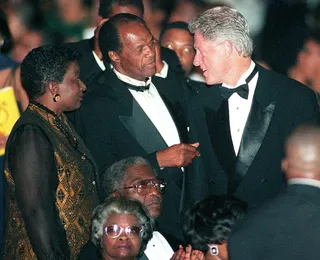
(132, 113)
(91, 64)
(250, 111)
(287, 227)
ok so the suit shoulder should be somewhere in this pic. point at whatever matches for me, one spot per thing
(288, 87)
(80, 46)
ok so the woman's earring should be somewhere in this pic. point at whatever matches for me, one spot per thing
(56, 98)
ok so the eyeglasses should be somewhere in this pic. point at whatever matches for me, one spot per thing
(144, 187)
(114, 231)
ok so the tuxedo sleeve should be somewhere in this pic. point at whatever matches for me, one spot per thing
(32, 165)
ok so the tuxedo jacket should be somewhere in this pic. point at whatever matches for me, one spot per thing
(90, 70)
(279, 105)
(114, 127)
(287, 227)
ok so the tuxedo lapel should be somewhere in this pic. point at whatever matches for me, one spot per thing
(133, 117)
(165, 88)
(143, 130)
(179, 120)
(221, 138)
(261, 112)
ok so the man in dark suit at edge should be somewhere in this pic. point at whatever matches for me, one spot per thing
(288, 226)
(132, 113)
(250, 112)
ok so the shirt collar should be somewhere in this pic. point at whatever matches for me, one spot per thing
(304, 181)
(99, 62)
(242, 79)
(129, 80)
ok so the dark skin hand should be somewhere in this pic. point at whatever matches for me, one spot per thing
(178, 155)
(189, 254)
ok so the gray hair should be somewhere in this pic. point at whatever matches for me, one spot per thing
(116, 173)
(121, 205)
(224, 24)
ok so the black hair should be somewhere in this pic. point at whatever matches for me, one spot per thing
(5, 34)
(314, 35)
(210, 221)
(109, 38)
(43, 65)
(175, 25)
(105, 7)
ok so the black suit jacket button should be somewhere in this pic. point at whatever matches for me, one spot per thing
(263, 180)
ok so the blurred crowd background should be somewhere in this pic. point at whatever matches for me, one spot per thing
(279, 27)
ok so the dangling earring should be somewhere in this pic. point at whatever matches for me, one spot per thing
(56, 98)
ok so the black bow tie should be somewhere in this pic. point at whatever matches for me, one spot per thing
(242, 90)
(136, 88)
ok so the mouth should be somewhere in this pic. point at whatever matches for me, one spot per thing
(151, 63)
(124, 246)
(154, 203)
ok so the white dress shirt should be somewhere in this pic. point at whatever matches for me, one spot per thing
(154, 107)
(239, 108)
(158, 248)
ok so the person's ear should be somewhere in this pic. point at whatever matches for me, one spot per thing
(114, 56)
(228, 47)
(53, 88)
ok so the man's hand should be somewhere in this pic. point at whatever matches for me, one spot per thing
(189, 254)
(178, 155)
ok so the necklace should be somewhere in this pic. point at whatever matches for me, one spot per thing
(61, 124)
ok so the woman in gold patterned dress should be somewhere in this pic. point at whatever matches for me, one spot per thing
(50, 175)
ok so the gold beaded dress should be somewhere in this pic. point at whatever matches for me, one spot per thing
(51, 188)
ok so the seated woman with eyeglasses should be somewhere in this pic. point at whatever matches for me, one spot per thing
(209, 223)
(121, 228)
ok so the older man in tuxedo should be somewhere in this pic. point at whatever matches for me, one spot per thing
(287, 227)
(132, 113)
(91, 60)
(250, 111)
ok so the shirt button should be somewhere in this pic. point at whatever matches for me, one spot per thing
(238, 130)
(237, 108)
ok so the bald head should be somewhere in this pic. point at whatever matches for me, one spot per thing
(303, 153)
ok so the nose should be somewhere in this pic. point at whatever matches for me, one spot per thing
(154, 191)
(197, 59)
(150, 51)
(83, 86)
(123, 235)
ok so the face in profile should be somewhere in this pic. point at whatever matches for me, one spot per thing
(211, 57)
(71, 89)
(121, 237)
(137, 57)
(180, 41)
(153, 198)
(309, 60)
